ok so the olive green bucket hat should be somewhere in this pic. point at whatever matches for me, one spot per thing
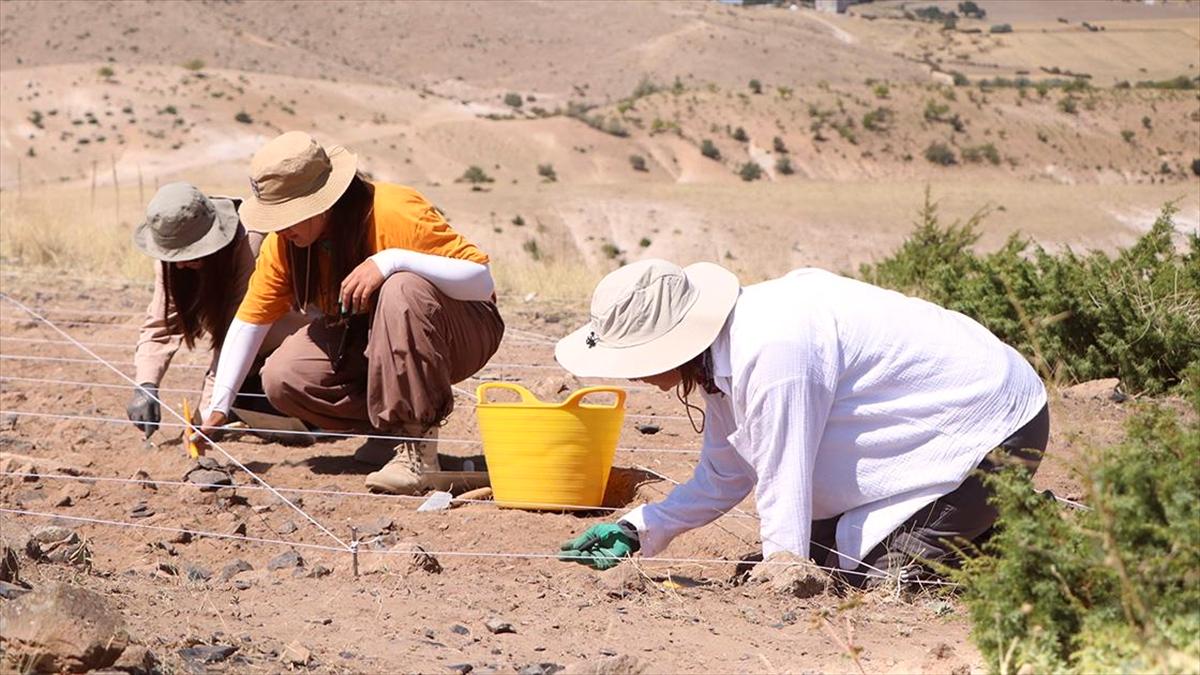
(183, 224)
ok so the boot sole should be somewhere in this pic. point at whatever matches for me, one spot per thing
(448, 481)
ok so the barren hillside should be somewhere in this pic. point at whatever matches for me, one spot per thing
(618, 130)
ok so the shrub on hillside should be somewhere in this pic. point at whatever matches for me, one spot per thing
(878, 120)
(638, 163)
(981, 153)
(933, 14)
(1196, 166)
(1082, 316)
(755, 87)
(474, 175)
(845, 129)
(750, 171)
(739, 135)
(1181, 82)
(778, 145)
(613, 127)
(936, 112)
(784, 166)
(1127, 135)
(513, 100)
(1001, 28)
(546, 171)
(647, 87)
(972, 10)
(194, 64)
(709, 150)
(1109, 589)
(940, 153)
(531, 247)
(243, 117)
(105, 72)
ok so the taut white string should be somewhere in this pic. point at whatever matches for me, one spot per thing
(212, 443)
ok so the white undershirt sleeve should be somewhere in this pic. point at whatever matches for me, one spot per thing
(459, 279)
(242, 342)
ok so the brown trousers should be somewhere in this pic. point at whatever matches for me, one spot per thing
(393, 378)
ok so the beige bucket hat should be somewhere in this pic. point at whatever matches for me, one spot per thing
(183, 224)
(294, 178)
(649, 317)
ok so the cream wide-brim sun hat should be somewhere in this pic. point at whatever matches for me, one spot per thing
(649, 317)
(293, 178)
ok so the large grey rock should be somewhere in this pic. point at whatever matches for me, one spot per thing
(207, 653)
(616, 665)
(61, 628)
(288, 559)
(496, 626)
(10, 568)
(545, 668)
(296, 654)
(785, 573)
(1108, 389)
(59, 545)
(209, 480)
(235, 568)
(10, 591)
(405, 558)
(137, 660)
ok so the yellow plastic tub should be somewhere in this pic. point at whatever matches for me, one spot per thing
(549, 456)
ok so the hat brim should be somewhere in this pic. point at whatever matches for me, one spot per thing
(260, 217)
(717, 293)
(224, 228)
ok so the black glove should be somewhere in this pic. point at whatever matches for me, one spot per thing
(143, 410)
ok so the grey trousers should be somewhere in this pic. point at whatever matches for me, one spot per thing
(938, 531)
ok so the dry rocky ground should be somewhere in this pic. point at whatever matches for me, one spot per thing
(466, 598)
(101, 102)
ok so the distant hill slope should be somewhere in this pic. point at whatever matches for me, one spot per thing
(591, 119)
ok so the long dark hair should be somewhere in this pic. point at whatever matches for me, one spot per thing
(201, 297)
(698, 373)
(346, 234)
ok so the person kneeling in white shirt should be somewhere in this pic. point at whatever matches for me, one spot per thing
(858, 415)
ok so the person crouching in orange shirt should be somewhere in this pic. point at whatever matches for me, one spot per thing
(408, 309)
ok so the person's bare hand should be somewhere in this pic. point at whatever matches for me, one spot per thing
(359, 286)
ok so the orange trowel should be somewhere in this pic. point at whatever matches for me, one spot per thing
(193, 451)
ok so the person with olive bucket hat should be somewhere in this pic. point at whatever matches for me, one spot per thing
(205, 259)
(857, 415)
(408, 309)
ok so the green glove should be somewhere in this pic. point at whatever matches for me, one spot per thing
(601, 546)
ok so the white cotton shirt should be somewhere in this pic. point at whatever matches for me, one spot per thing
(842, 398)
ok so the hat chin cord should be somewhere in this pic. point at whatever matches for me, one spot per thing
(690, 407)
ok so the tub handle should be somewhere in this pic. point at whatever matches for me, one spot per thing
(482, 390)
(576, 399)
